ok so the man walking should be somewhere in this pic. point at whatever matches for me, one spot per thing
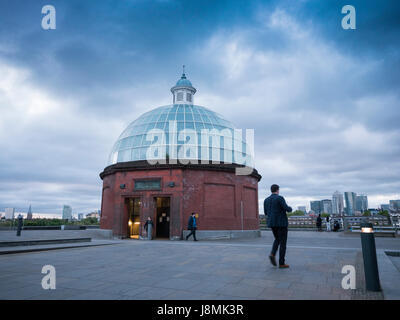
(192, 226)
(275, 209)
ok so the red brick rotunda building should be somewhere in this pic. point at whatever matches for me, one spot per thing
(175, 160)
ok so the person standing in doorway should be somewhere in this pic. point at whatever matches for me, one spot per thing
(192, 226)
(275, 208)
(148, 226)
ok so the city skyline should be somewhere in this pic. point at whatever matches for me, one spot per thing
(320, 124)
(307, 205)
(46, 215)
(360, 203)
(394, 204)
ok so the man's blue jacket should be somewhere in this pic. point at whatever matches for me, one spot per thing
(275, 209)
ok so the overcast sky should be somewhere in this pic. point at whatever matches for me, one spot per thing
(324, 101)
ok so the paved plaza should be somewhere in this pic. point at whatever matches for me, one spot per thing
(224, 269)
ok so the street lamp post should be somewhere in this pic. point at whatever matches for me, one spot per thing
(369, 257)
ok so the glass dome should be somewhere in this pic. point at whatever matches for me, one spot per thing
(132, 145)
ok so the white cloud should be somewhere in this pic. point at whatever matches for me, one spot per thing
(20, 96)
(302, 95)
(47, 142)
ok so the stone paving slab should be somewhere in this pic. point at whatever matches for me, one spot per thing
(396, 262)
(211, 270)
(389, 276)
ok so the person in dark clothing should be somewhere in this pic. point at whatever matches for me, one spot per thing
(336, 226)
(148, 226)
(20, 224)
(275, 209)
(192, 226)
(319, 223)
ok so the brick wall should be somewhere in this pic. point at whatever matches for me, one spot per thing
(219, 197)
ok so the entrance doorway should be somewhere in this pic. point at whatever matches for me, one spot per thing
(163, 210)
(134, 205)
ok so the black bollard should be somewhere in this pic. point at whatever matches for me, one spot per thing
(369, 257)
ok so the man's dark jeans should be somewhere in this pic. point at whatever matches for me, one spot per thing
(192, 232)
(280, 234)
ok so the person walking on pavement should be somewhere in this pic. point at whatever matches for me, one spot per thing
(192, 226)
(275, 208)
(148, 226)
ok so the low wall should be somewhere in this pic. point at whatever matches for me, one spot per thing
(97, 233)
(66, 227)
(56, 234)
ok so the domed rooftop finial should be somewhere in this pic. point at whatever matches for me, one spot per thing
(183, 72)
(183, 91)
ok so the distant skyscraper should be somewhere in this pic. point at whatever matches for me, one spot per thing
(80, 216)
(350, 198)
(316, 206)
(67, 212)
(337, 203)
(302, 208)
(29, 214)
(361, 203)
(326, 206)
(394, 205)
(9, 213)
(385, 207)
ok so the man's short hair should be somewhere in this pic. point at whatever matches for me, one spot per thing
(274, 188)
(193, 213)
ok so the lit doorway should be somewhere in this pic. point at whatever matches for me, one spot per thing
(134, 205)
(163, 217)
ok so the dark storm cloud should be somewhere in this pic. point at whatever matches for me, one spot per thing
(112, 44)
(323, 101)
